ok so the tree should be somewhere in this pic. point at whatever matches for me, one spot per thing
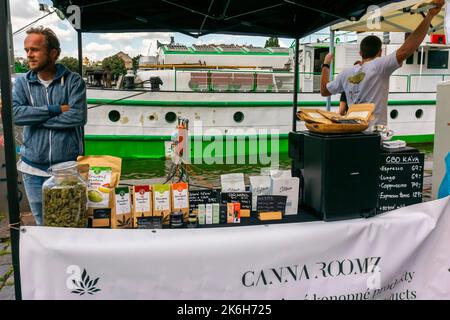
(136, 62)
(70, 63)
(21, 66)
(115, 65)
(272, 42)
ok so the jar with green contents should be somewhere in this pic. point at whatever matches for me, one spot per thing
(64, 197)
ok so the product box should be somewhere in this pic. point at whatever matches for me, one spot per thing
(222, 214)
(161, 202)
(230, 213)
(287, 187)
(201, 209)
(121, 217)
(244, 198)
(142, 202)
(237, 213)
(267, 216)
(101, 218)
(216, 213)
(209, 213)
(180, 199)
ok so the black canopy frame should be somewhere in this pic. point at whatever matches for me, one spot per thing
(279, 18)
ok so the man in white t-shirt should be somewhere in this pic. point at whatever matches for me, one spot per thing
(369, 82)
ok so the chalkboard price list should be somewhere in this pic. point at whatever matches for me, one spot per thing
(400, 182)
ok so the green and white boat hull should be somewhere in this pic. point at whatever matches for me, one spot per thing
(258, 123)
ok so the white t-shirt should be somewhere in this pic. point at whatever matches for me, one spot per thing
(368, 83)
(46, 83)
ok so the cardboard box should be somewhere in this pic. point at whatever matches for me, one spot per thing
(209, 213)
(230, 213)
(101, 218)
(201, 214)
(216, 213)
(237, 213)
(266, 216)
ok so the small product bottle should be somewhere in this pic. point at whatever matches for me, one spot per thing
(176, 219)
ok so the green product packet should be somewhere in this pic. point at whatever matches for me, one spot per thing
(161, 188)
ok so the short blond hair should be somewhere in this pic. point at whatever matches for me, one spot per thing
(51, 40)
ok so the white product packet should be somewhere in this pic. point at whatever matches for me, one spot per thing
(233, 182)
(259, 186)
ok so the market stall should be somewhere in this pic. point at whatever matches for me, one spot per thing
(160, 263)
(400, 255)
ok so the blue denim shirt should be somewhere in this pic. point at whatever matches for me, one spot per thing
(50, 136)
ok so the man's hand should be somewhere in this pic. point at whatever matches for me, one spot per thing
(65, 108)
(328, 58)
(413, 42)
(435, 11)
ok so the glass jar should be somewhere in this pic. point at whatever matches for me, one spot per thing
(64, 197)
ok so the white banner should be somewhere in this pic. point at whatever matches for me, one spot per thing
(402, 254)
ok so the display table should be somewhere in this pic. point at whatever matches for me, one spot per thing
(403, 254)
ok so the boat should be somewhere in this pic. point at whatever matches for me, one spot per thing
(245, 93)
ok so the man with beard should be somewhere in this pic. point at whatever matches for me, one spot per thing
(50, 103)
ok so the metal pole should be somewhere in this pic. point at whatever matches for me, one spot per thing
(331, 66)
(296, 81)
(10, 148)
(80, 53)
(80, 71)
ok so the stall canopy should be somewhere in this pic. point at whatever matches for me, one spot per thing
(283, 18)
(402, 16)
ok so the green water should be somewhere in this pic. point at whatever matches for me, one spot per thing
(209, 175)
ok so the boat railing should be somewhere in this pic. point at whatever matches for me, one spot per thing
(283, 81)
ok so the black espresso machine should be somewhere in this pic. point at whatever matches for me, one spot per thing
(339, 173)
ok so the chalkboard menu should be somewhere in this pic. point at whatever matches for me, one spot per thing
(271, 204)
(400, 181)
(244, 198)
(206, 196)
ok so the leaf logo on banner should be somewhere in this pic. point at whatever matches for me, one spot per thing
(85, 285)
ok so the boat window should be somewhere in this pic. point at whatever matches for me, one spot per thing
(238, 117)
(419, 113)
(171, 117)
(437, 59)
(410, 59)
(394, 114)
(114, 115)
(421, 56)
(308, 63)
